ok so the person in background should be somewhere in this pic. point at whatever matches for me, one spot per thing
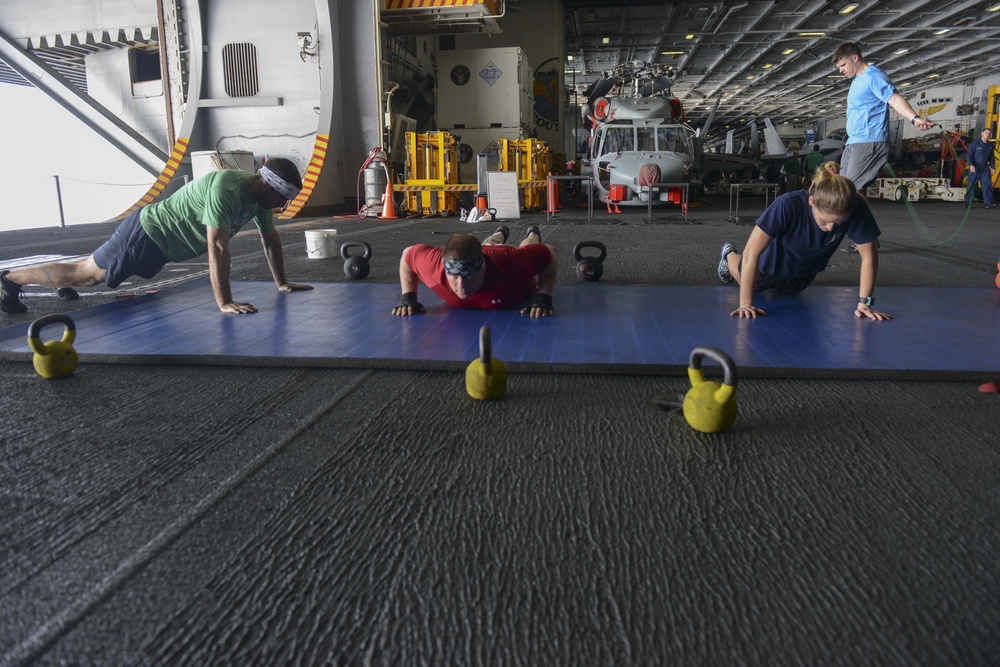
(981, 165)
(793, 170)
(812, 162)
(868, 101)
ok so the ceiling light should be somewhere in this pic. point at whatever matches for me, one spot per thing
(569, 57)
(787, 51)
(994, 8)
(811, 34)
(904, 85)
(835, 76)
(750, 78)
(849, 8)
(688, 36)
(815, 85)
(941, 32)
(900, 52)
(933, 76)
(768, 66)
(605, 40)
(672, 53)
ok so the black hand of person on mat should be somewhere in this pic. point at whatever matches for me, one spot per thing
(409, 305)
(540, 307)
(237, 307)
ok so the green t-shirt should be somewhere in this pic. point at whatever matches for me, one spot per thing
(219, 199)
(813, 160)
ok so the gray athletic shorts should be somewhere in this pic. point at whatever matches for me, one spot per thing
(862, 162)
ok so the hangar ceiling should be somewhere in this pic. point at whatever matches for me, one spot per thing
(773, 57)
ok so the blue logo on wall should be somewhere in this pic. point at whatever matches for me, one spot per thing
(546, 95)
(490, 73)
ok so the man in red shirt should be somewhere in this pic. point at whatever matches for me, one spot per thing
(488, 275)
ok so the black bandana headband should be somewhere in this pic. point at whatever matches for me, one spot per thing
(464, 267)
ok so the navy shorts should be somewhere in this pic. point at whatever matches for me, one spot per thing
(783, 285)
(129, 252)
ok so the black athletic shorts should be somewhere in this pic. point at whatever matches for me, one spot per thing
(129, 252)
(783, 285)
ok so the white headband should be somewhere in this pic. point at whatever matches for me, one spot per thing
(280, 185)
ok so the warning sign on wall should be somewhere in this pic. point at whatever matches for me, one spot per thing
(490, 73)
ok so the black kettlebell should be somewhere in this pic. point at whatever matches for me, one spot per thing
(356, 266)
(590, 269)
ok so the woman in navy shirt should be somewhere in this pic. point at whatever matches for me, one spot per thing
(797, 235)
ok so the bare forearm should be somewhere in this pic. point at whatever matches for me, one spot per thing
(276, 261)
(748, 278)
(869, 272)
(218, 268)
(902, 107)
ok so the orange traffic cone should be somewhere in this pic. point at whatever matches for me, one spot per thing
(389, 207)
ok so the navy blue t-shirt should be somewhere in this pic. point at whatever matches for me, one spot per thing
(799, 248)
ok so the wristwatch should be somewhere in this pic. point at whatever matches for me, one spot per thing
(913, 121)
(867, 301)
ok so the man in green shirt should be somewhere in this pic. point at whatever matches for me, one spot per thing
(813, 161)
(792, 169)
(199, 218)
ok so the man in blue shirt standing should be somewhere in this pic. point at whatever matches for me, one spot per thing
(868, 103)
(981, 165)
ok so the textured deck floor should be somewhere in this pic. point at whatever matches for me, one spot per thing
(193, 514)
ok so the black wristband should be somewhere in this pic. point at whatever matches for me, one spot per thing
(543, 300)
(409, 299)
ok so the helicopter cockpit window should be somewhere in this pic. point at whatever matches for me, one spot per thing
(677, 139)
(618, 140)
(646, 139)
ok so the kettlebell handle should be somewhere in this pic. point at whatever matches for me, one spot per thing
(486, 350)
(716, 355)
(603, 252)
(34, 331)
(356, 244)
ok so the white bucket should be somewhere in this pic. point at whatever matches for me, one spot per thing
(321, 243)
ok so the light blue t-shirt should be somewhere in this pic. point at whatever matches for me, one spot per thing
(868, 108)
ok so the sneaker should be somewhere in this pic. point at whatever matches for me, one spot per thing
(533, 229)
(10, 295)
(503, 232)
(67, 294)
(724, 275)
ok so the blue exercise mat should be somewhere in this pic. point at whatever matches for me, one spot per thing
(937, 333)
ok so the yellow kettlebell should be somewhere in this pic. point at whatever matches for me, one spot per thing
(56, 358)
(710, 407)
(486, 377)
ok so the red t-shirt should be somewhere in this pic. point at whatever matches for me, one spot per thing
(510, 274)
